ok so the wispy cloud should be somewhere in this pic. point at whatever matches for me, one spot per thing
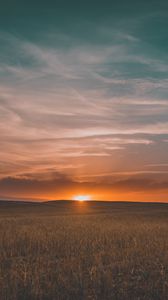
(62, 109)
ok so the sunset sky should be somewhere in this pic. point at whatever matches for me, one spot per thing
(84, 100)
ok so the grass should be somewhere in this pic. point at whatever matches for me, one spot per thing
(83, 251)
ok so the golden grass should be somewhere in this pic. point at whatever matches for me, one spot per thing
(117, 254)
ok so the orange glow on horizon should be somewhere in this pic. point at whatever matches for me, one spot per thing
(89, 194)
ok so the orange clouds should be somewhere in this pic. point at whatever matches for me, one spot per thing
(63, 187)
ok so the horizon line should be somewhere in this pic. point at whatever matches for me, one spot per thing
(42, 201)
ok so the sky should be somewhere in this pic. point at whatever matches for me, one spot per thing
(84, 100)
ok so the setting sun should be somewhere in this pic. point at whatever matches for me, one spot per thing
(82, 198)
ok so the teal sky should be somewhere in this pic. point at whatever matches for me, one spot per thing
(84, 99)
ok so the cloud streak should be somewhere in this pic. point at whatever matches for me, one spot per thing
(71, 109)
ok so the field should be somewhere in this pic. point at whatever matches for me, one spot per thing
(71, 250)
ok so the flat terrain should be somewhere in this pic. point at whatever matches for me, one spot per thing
(89, 250)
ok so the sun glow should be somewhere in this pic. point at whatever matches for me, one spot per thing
(82, 198)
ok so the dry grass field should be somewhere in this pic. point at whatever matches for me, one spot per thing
(68, 250)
